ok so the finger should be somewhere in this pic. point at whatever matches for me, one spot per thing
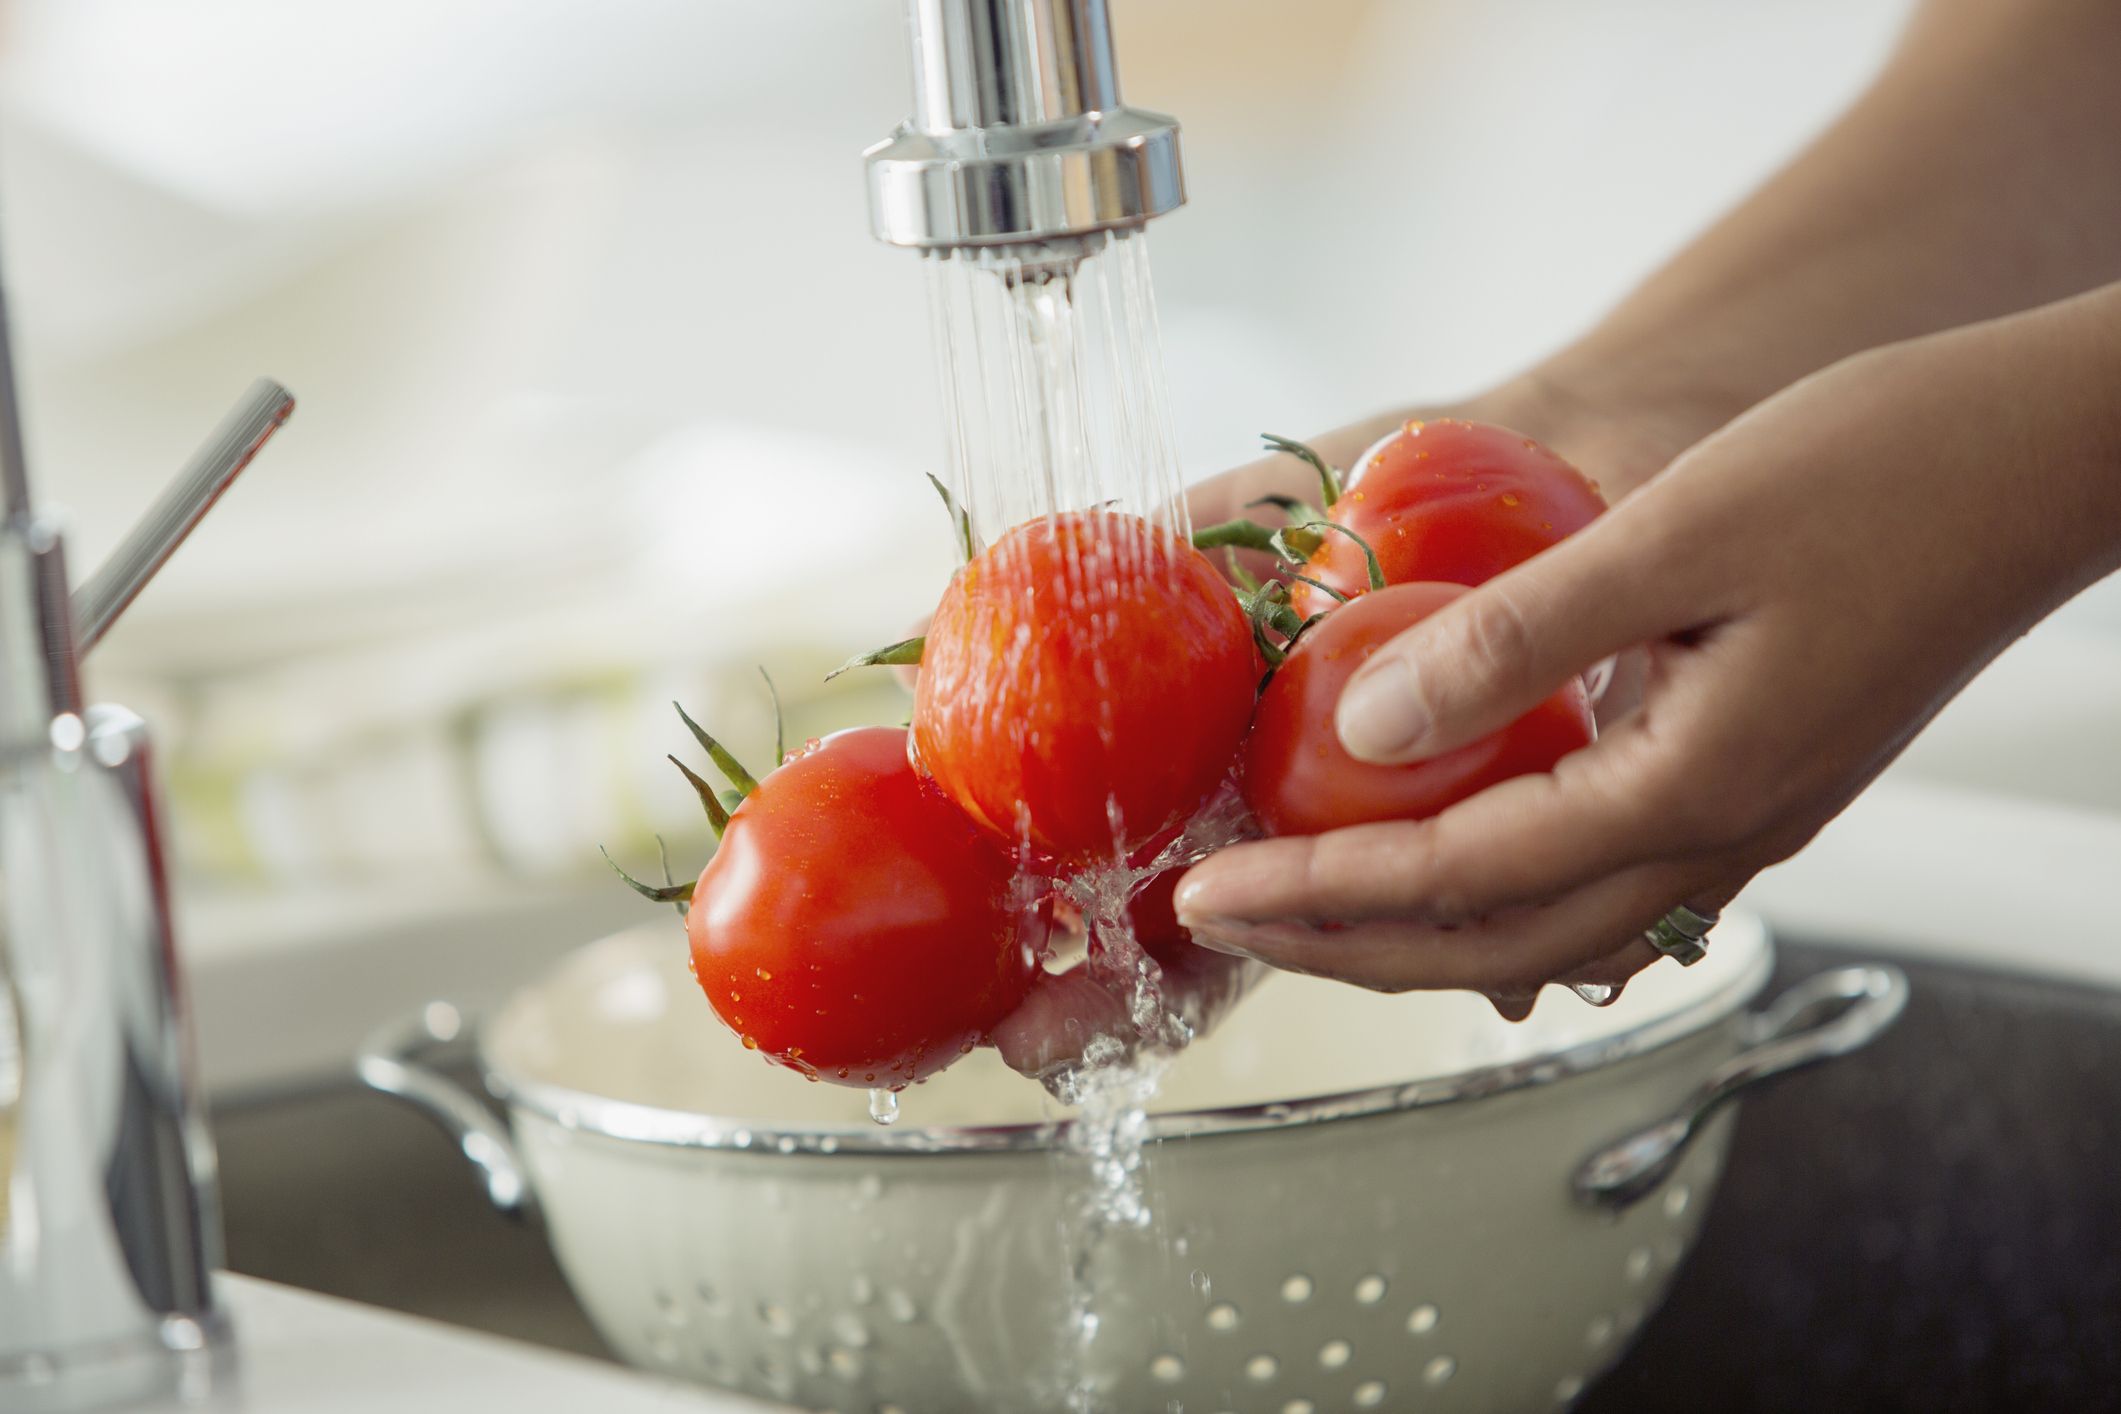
(1485, 659)
(1594, 932)
(1068, 1010)
(1522, 841)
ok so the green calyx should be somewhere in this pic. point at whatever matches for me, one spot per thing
(906, 653)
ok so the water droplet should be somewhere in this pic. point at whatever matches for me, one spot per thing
(1511, 500)
(1439, 1370)
(1596, 993)
(1335, 1353)
(1422, 1319)
(1371, 1289)
(1676, 1199)
(751, 1043)
(1261, 1368)
(1369, 1394)
(883, 1106)
(764, 975)
(1297, 1289)
(1222, 1316)
(901, 1307)
(1168, 1368)
(1200, 1282)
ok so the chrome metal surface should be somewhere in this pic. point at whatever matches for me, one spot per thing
(110, 1228)
(620, 1119)
(388, 1063)
(109, 1225)
(198, 484)
(1018, 133)
(1821, 1017)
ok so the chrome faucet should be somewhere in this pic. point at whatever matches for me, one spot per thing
(1018, 135)
(109, 1217)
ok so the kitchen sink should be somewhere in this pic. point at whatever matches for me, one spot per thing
(1928, 1225)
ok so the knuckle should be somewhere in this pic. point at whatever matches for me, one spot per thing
(1496, 634)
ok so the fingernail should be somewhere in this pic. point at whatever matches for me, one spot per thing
(1382, 716)
(1216, 934)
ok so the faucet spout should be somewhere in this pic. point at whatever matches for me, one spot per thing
(1018, 134)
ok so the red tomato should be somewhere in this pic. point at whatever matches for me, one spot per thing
(1154, 916)
(1451, 501)
(1085, 684)
(1299, 781)
(854, 925)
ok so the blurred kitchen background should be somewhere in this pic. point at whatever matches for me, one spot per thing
(607, 397)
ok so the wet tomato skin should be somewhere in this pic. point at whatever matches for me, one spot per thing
(1085, 669)
(1450, 501)
(854, 925)
(1297, 778)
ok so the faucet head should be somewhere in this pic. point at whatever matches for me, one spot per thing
(1018, 135)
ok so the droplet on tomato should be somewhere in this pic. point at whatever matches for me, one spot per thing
(1512, 500)
(764, 975)
(751, 1043)
(883, 1106)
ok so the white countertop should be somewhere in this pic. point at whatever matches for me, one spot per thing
(300, 1353)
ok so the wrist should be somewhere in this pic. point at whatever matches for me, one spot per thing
(1619, 422)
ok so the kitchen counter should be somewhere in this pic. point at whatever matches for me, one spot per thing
(300, 1353)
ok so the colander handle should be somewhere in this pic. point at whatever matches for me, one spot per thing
(388, 1064)
(1822, 1017)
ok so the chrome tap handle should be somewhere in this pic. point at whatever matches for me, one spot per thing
(180, 508)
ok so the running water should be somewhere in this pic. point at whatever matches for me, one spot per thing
(1053, 390)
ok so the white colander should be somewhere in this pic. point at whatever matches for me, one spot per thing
(1359, 1201)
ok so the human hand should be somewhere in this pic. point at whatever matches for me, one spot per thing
(1811, 585)
(1066, 1011)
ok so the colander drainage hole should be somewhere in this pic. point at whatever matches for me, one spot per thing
(1422, 1319)
(1370, 1394)
(901, 1307)
(776, 1319)
(1439, 1370)
(1568, 1389)
(845, 1363)
(1639, 1263)
(710, 1299)
(1676, 1199)
(1299, 1406)
(1371, 1289)
(1168, 1368)
(1297, 1289)
(1261, 1368)
(1334, 1354)
(847, 1329)
(668, 1308)
(1222, 1316)
(1600, 1332)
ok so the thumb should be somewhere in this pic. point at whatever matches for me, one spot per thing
(1491, 655)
